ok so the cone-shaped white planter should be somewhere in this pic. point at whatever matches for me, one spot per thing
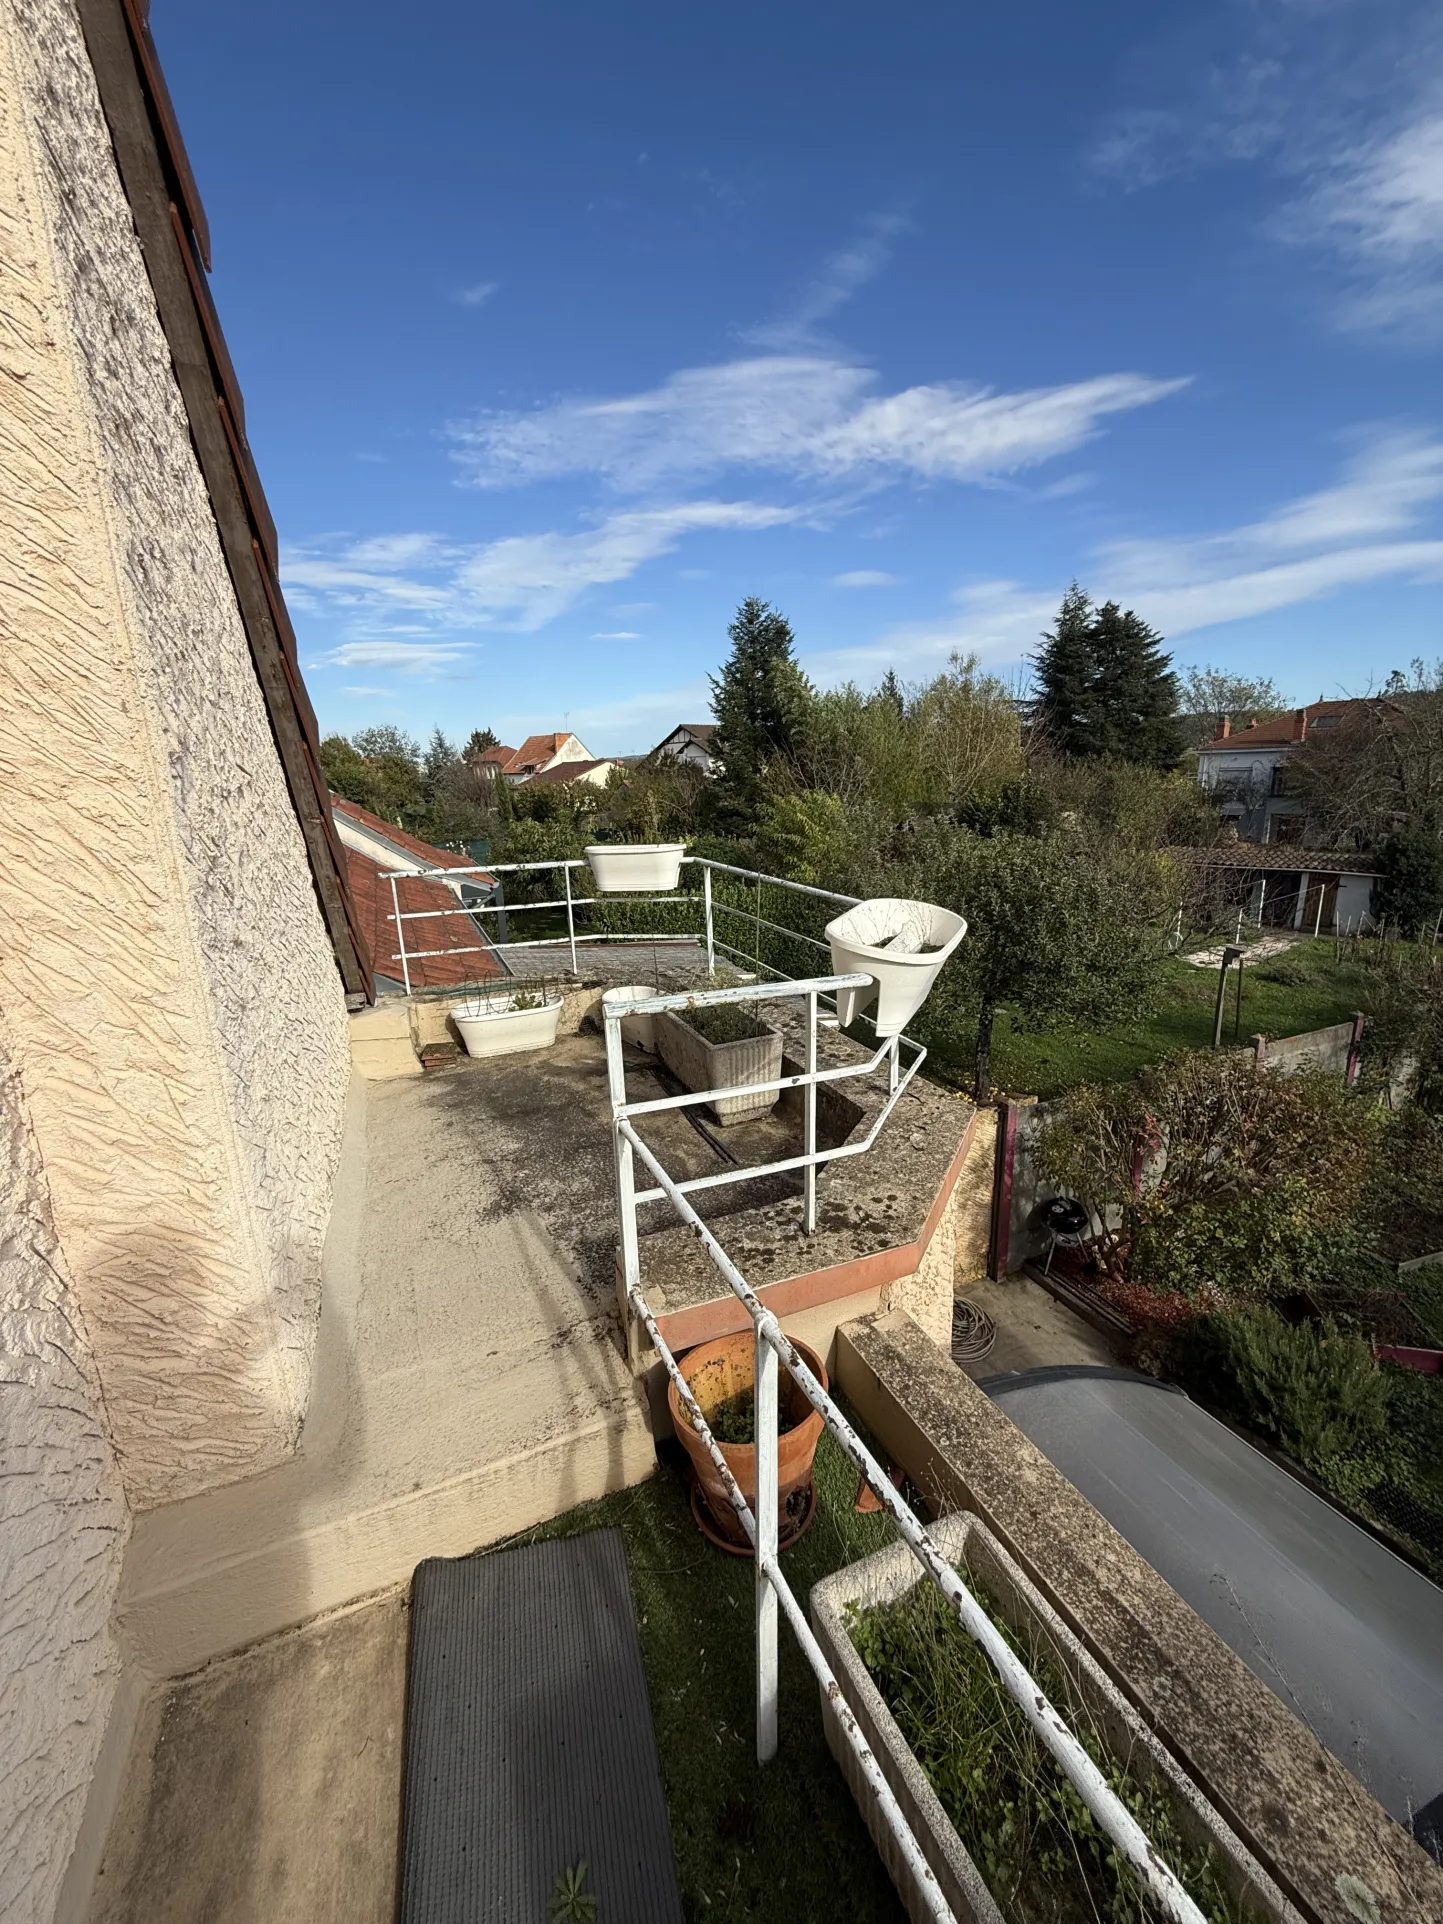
(622, 867)
(639, 1029)
(902, 946)
(496, 1027)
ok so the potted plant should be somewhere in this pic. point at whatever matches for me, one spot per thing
(724, 1045)
(621, 868)
(505, 1022)
(902, 946)
(1004, 1833)
(722, 1377)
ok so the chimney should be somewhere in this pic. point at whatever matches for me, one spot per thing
(1223, 729)
(1300, 724)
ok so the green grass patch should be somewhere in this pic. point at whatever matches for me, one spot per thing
(1286, 995)
(780, 1841)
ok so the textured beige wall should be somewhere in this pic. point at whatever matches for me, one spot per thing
(62, 1531)
(177, 1015)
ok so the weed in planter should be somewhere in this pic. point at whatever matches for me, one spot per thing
(1035, 1842)
(571, 1902)
(734, 1420)
(724, 1022)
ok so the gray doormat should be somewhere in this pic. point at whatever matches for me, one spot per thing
(529, 1744)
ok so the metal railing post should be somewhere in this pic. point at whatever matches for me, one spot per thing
(571, 923)
(625, 1173)
(710, 937)
(809, 1136)
(400, 937)
(766, 1546)
(895, 1067)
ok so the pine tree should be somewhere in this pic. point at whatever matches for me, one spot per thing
(1063, 706)
(1134, 691)
(760, 702)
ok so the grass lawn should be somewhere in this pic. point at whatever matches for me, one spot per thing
(1312, 993)
(784, 1841)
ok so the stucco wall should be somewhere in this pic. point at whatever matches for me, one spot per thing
(178, 1017)
(62, 1530)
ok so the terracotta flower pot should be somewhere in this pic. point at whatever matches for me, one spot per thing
(722, 1369)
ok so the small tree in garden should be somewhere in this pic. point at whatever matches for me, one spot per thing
(1057, 931)
(1410, 880)
(1214, 1178)
(760, 703)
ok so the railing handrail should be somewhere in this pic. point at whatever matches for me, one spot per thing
(773, 1591)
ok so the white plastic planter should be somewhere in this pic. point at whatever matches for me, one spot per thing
(638, 1029)
(621, 868)
(902, 946)
(498, 1028)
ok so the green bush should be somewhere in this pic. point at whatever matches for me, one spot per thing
(1313, 1390)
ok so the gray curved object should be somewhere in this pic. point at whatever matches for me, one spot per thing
(1346, 1633)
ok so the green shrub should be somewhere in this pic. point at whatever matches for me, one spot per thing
(1313, 1390)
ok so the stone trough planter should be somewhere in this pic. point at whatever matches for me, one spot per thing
(891, 1574)
(698, 1064)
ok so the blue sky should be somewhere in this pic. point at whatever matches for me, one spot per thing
(562, 328)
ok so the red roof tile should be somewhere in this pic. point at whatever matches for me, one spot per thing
(467, 956)
(570, 771)
(1292, 727)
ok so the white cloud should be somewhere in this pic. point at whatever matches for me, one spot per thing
(382, 694)
(617, 634)
(842, 274)
(999, 621)
(811, 416)
(518, 582)
(476, 296)
(411, 657)
(624, 727)
(865, 578)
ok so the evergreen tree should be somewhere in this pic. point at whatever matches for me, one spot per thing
(760, 704)
(481, 739)
(1063, 706)
(1134, 691)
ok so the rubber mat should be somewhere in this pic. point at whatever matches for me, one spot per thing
(529, 1743)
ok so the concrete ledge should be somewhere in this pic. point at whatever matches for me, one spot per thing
(232, 1601)
(381, 1047)
(1306, 1819)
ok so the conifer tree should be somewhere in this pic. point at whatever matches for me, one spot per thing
(1062, 708)
(759, 701)
(1134, 691)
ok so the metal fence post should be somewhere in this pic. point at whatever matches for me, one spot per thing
(625, 1173)
(571, 920)
(400, 937)
(710, 937)
(809, 1138)
(766, 1547)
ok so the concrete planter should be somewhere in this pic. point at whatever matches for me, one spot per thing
(886, 939)
(496, 1027)
(891, 1574)
(620, 868)
(637, 1029)
(698, 1064)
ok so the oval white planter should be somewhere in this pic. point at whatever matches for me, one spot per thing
(886, 939)
(640, 1029)
(499, 1028)
(620, 868)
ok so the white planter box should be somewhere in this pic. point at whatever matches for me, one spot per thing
(498, 1028)
(698, 1064)
(620, 868)
(891, 1574)
(885, 938)
(637, 1029)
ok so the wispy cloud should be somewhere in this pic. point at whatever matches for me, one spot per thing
(619, 727)
(415, 585)
(617, 634)
(865, 578)
(410, 657)
(476, 296)
(813, 417)
(362, 694)
(1366, 527)
(841, 276)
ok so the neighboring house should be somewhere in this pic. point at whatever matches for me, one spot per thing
(691, 743)
(536, 755)
(375, 849)
(595, 773)
(1243, 769)
(1285, 886)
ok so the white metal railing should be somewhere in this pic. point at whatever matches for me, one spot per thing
(772, 1347)
(571, 902)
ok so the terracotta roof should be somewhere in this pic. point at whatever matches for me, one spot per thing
(424, 852)
(499, 756)
(570, 771)
(1291, 727)
(535, 750)
(473, 959)
(1289, 858)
